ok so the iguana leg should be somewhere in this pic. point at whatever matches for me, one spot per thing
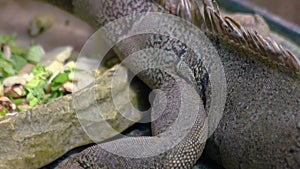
(185, 152)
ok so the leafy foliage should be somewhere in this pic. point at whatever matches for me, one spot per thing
(43, 88)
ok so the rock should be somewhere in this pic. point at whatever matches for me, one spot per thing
(35, 138)
(86, 63)
(55, 67)
(83, 78)
(60, 54)
(70, 65)
(55, 59)
(18, 79)
(26, 69)
(6, 103)
(15, 91)
(67, 87)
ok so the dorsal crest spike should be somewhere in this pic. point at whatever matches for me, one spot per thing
(211, 21)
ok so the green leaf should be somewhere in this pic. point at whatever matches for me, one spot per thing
(39, 71)
(57, 94)
(4, 62)
(40, 93)
(8, 39)
(33, 102)
(21, 110)
(18, 51)
(6, 67)
(32, 83)
(29, 96)
(61, 78)
(36, 87)
(3, 112)
(55, 86)
(17, 101)
(53, 96)
(19, 62)
(35, 53)
(9, 70)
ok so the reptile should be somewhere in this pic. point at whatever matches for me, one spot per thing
(263, 94)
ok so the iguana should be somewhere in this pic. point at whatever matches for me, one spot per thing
(260, 127)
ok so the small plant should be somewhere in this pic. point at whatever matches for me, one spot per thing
(21, 91)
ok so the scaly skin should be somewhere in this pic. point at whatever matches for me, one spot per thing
(260, 127)
(184, 154)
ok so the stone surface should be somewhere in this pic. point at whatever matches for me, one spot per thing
(19, 79)
(60, 54)
(41, 135)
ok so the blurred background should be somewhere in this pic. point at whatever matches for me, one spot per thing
(287, 9)
(27, 19)
(16, 17)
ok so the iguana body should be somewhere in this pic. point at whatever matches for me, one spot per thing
(260, 99)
